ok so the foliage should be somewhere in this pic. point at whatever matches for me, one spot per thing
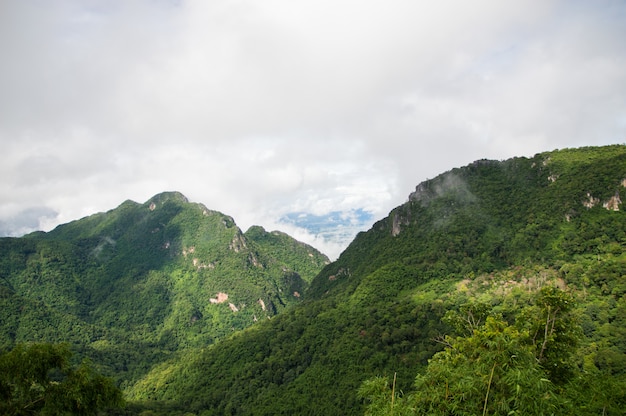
(494, 368)
(39, 379)
(130, 287)
(488, 236)
(520, 255)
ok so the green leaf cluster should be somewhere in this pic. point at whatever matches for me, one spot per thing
(39, 379)
(496, 367)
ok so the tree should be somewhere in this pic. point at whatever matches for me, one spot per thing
(494, 368)
(38, 379)
(494, 371)
(554, 331)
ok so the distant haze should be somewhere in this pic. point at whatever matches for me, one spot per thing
(312, 117)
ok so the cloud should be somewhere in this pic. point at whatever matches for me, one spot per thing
(26, 221)
(261, 109)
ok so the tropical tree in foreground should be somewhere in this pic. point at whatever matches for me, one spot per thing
(38, 379)
(494, 371)
(496, 368)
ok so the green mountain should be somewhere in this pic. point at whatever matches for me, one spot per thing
(132, 287)
(522, 259)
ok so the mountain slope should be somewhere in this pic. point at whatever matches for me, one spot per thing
(133, 285)
(491, 232)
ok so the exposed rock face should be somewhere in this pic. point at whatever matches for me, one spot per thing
(613, 203)
(422, 193)
(450, 185)
(591, 201)
(340, 273)
(398, 221)
(253, 260)
(221, 297)
(189, 250)
(238, 243)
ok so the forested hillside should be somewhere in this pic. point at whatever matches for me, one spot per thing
(136, 285)
(497, 288)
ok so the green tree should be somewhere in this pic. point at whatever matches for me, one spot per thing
(471, 316)
(38, 379)
(494, 371)
(555, 332)
(383, 400)
(494, 367)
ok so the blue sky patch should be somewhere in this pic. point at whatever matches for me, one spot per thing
(336, 225)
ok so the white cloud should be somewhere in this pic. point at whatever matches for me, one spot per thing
(258, 109)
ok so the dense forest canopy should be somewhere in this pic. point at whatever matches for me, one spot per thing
(497, 288)
(131, 287)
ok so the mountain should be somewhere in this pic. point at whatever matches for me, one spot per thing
(528, 251)
(133, 286)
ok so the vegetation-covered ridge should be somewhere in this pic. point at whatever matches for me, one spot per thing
(518, 258)
(136, 285)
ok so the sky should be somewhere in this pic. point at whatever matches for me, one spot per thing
(315, 118)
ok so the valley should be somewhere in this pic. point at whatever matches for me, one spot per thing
(496, 288)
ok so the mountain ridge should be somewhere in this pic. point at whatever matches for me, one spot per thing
(495, 232)
(154, 277)
(489, 244)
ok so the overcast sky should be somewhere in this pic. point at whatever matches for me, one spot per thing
(263, 109)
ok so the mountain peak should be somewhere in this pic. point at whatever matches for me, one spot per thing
(157, 275)
(167, 196)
